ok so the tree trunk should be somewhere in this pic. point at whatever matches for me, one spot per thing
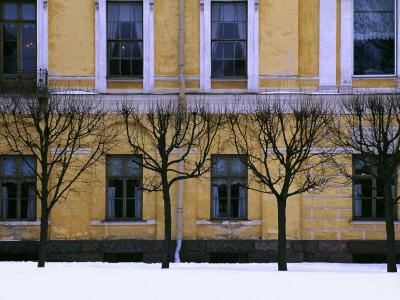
(390, 234)
(167, 227)
(44, 228)
(282, 263)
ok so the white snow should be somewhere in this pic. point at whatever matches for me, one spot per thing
(76, 281)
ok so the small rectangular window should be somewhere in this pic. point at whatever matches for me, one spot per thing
(374, 37)
(229, 39)
(125, 38)
(124, 182)
(368, 201)
(228, 188)
(18, 37)
(18, 187)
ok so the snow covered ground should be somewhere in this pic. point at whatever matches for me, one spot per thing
(86, 281)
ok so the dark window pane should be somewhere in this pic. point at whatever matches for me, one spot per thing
(131, 187)
(374, 57)
(229, 49)
(28, 49)
(362, 167)
(114, 67)
(113, 31)
(234, 208)
(217, 68)
(10, 32)
(124, 12)
(125, 67)
(240, 49)
(119, 208)
(9, 189)
(125, 30)
(137, 67)
(113, 12)
(229, 31)
(126, 51)
(137, 12)
(380, 208)
(217, 12)
(10, 11)
(363, 5)
(229, 12)
(222, 186)
(28, 166)
(241, 31)
(132, 167)
(217, 50)
(27, 189)
(114, 49)
(10, 49)
(114, 166)
(28, 65)
(217, 30)
(137, 51)
(236, 184)
(366, 208)
(229, 68)
(130, 208)
(240, 68)
(28, 11)
(137, 31)
(240, 12)
(28, 32)
(220, 166)
(9, 166)
(118, 185)
(222, 208)
(10, 65)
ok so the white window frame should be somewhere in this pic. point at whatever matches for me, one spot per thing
(42, 35)
(252, 44)
(347, 46)
(101, 45)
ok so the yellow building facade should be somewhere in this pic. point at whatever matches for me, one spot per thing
(233, 50)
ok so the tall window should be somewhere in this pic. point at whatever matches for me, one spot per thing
(125, 38)
(228, 188)
(228, 39)
(374, 37)
(18, 181)
(368, 201)
(124, 180)
(18, 36)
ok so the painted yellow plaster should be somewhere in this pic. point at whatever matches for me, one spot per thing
(71, 38)
(228, 85)
(163, 84)
(125, 85)
(308, 37)
(192, 37)
(279, 37)
(374, 83)
(72, 84)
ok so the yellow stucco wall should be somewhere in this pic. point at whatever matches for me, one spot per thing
(71, 38)
(279, 37)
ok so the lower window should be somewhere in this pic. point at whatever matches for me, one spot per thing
(18, 184)
(124, 182)
(228, 188)
(368, 200)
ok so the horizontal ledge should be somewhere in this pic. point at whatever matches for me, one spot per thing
(220, 222)
(123, 223)
(20, 223)
(370, 222)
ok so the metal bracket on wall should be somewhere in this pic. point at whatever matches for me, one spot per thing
(97, 3)
(202, 4)
(256, 4)
(45, 3)
(151, 4)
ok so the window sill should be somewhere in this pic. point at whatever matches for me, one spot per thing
(123, 223)
(228, 78)
(138, 79)
(229, 222)
(20, 223)
(370, 222)
(375, 76)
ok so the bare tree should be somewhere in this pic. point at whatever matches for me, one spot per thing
(65, 134)
(280, 142)
(171, 126)
(369, 128)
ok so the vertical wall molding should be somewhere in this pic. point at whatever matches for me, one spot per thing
(346, 45)
(42, 21)
(205, 46)
(101, 46)
(252, 46)
(148, 46)
(327, 45)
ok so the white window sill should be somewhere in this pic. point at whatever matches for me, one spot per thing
(222, 222)
(370, 222)
(20, 223)
(123, 223)
(375, 76)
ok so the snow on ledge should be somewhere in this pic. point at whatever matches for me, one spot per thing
(217, 222)
(20, 223)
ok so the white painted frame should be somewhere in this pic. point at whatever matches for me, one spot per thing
(252, 45)
(101, 46)
(327, 45)
(42, 40)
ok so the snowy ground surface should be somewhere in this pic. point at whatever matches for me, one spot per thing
(71, 281)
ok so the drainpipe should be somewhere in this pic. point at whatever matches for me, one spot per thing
(181, 166)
